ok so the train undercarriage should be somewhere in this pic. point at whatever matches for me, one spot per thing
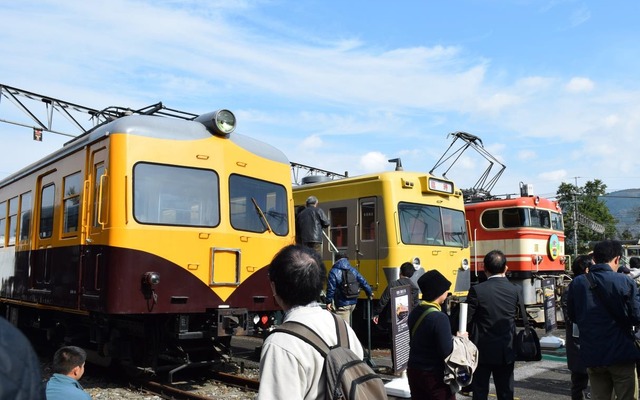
(159, 345)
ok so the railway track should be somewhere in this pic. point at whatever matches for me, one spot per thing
(176, 393)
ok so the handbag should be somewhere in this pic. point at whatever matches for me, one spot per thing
(526, 342)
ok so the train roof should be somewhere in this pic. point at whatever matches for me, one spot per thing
(407, 177)
(526, 201)
(149, 126)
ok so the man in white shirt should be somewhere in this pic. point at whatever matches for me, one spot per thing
(290, 368)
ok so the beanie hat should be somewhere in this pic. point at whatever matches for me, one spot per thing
(432, 284)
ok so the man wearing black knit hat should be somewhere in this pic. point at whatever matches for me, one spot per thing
(431, 340)
(491, 320)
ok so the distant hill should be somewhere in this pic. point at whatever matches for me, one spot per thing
(624, 205)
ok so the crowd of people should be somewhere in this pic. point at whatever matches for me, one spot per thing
(601, 308)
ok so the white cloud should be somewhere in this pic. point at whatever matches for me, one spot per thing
(373, 161)
(579, 85)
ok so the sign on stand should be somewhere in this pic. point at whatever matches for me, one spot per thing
(549, 293)
(400, 308)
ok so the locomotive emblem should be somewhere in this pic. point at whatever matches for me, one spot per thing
(554, 246)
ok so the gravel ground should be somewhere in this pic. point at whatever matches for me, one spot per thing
(101, 386)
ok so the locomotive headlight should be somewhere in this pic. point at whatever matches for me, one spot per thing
(224, 121)
(464, 265)
(151, 278)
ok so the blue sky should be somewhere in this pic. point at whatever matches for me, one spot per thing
(551, 87)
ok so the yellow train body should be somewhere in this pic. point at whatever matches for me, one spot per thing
(383, 220)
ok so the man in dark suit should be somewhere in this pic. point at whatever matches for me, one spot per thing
(492, 325)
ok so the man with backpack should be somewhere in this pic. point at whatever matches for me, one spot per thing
(343, 288)
(305, 358)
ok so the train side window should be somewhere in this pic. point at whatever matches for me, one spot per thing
(13, 221)
(339, 230)
(72, 191)
(3, 223)
(491, 219)
(25, 216)
(46, 211)
(368, 221)
(97, 201)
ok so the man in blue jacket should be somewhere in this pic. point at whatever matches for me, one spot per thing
(605, 310)
(343, 306)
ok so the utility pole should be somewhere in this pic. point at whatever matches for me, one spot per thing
(575, 220)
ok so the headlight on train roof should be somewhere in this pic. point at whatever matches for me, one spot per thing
(224, 121)
(221, 122)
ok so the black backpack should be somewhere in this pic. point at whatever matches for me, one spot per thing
(347, 376)
(350, 287)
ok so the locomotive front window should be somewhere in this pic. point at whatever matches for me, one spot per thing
(257, 205)
(556, 221)
(171, 195)
(431, 225)
(527, 217)
(540, 218)
(515, 217)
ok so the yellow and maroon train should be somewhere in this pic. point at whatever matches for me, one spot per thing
(145, 239)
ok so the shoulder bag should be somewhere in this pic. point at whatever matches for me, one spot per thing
(526, 342)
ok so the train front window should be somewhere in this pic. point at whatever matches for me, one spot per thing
(556, 221)
(431, 225)
(540, 218)
(257, 206)
(455, 228)
(515, 217)
(171, 195)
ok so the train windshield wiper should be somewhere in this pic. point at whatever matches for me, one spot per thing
(261, 214)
